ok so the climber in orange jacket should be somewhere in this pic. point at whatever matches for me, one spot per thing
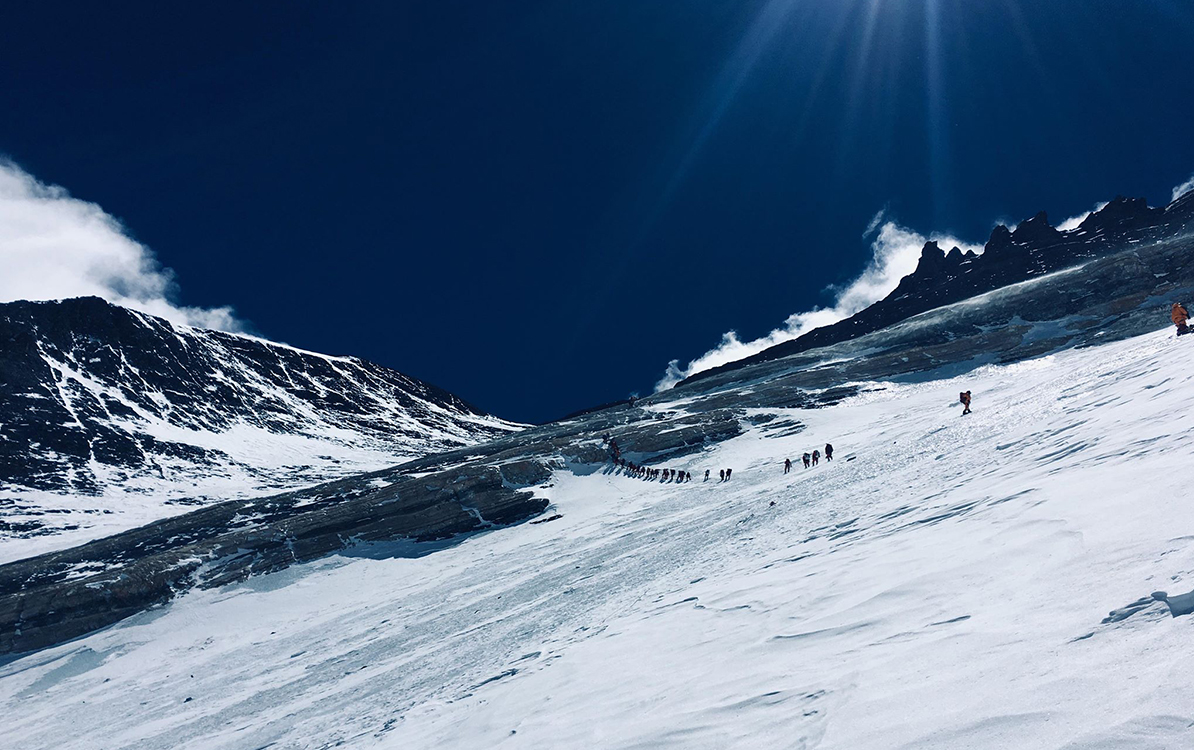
(1179, 316)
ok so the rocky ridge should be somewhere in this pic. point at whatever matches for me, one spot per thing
(103, 402)
(1033, 249)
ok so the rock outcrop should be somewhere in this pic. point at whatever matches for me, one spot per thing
(49, 599)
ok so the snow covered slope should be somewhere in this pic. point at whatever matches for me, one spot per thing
(111, 418)
(946, 582)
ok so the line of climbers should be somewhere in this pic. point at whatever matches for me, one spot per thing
(675, 475)
(650, 474)
(811, 459)
(665, 475)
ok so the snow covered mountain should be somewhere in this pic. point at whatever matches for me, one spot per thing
(499, 481)
(1021, 576)
(110, 418)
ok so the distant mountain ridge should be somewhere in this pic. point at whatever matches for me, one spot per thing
(102, 401)
(1032, 249)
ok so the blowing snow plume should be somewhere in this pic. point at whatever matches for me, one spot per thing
(1183, 188)
(53, 246)
(895, 251)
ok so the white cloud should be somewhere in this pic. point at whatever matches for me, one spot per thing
(53, 246)
(874, 223)
(1073, 222)
(895, 252)
(1183, 188)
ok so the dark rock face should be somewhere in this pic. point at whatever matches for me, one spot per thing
(52, 598)
(47, 599)
(96, 398)
(1034, 249)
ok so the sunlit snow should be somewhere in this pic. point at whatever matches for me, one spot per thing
(945, 582)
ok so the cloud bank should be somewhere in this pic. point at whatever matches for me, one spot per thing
(53, 246)
(895, 251)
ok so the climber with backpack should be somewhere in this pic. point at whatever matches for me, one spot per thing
(1179, 316)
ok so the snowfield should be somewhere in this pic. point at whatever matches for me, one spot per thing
(945, 582)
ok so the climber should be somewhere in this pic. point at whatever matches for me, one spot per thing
(1179, 316)
(964, 397)
(787, 465)
(816, 457)
(807, 460)
(828, 452)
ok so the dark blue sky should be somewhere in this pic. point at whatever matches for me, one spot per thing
(538, 204)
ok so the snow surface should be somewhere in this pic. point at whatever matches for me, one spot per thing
(943, 583)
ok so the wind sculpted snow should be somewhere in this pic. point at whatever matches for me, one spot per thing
(945, 582)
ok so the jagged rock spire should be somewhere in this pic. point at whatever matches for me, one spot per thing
(1036, 230)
